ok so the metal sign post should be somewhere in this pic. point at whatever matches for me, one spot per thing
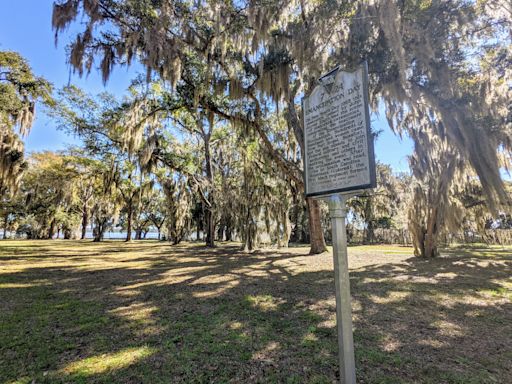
(338, 214)
(338, 161)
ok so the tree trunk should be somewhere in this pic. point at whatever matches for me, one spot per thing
(295, 234)
(67, 234)
(6, 222)
(129, 221)
(304, 230)
(287, 229)
(220, 231)
(51, 231)
(99, 231)
(431, 235)
(198, 229)
(425, 234)
(85, 219)
(249, 232)
(316, 233)
(210, 219)
(228, 231)
(369, 233)
(210, 228)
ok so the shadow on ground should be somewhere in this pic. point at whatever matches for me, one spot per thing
(187, 314)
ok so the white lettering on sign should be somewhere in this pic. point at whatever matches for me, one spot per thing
(339, 149)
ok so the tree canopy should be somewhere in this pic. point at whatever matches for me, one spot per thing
(213, 131)
(19, 92)
(440, 68)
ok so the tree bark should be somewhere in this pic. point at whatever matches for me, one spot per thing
(304, 227)
(67, 234)
(250, 233)
(198, 229)
(316, 233)
(129, 221)
(431, 236)
(85, 219)
(210, 229)
(6, 222)
(220, 231)
(99, 231)
(210, 219)
(369, 233)
(287, 230)
(51, 231)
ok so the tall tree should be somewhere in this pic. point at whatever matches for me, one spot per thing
(49, 193)
(420, 54)
(19, 92)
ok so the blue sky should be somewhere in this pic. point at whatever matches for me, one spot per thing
(25, 27)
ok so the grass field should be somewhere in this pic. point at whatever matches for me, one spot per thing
(148, 312)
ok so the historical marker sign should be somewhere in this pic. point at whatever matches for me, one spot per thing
(339, 153)
(339, 159)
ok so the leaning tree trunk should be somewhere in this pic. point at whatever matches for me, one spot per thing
(316, 234)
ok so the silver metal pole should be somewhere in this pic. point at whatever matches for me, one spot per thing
(338, 214)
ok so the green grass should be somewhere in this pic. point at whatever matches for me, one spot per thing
(147, 312)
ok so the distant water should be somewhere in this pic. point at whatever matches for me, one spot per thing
(108, 235)
(121, 235)
(114, 235)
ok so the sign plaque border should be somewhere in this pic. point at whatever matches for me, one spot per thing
(369, 137)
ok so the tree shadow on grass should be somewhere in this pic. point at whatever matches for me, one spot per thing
(204, 316)
(447, 320)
